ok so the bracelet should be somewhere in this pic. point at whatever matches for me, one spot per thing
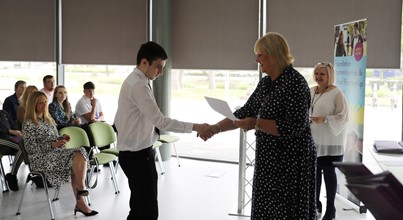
(219, 128)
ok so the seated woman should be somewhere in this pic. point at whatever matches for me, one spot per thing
(60, 109)
(46, 151)
(22, 103)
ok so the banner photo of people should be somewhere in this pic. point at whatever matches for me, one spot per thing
(350, 60)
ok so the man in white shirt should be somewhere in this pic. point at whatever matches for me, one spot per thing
(137, 121)
(49, 84)
(88, 108)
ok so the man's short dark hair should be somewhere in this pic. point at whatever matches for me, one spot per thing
(18, 83)
(47, 77)
(89, 85)
(151, 51)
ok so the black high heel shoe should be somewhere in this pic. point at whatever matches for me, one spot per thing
(93, 212)
(82, 193)
(330, 215)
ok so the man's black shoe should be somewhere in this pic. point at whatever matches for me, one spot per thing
(12, 181)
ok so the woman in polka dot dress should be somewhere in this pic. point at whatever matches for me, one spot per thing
(284, 176)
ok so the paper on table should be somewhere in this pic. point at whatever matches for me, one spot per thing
(221, 107)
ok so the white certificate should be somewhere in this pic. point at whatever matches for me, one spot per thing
(221, 107)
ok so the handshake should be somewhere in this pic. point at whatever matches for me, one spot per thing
(206, 131)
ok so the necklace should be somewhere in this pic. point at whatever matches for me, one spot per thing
(313, 101)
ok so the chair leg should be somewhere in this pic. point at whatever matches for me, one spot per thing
(115, 184)
(11, 159)
(88, 200)
(22, 195)
(88, 181)
(177, 156)
(56, 196)
(3, 181)
(157, 150)
(45, 184)
(46, 190)
(117, 165)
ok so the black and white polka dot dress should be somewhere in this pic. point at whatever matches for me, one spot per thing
(56, 163)
(284, 176)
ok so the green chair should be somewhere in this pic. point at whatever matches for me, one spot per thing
(78, 138)
(110, 138)
(103, 134)
(106, 136)
(30, 176)
(170, 139)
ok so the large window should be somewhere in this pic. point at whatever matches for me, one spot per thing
(31, 72)
(107, 80)
(383, 105)
(188, 90)
(188, 104)
(383, 102)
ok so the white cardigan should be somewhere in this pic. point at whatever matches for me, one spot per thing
(330, 137)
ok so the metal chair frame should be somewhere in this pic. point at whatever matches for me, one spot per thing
(170, 139)
(30, 175)
(6, 143)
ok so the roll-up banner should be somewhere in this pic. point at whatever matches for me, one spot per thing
(350, 60)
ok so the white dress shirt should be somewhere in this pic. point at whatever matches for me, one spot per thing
(84, 106)
(138, 115)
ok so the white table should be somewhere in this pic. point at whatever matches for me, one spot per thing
(388, 162)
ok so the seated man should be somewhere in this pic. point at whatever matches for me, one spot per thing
(49, 84)
(9, 132)
(11, 103)
(89, 108)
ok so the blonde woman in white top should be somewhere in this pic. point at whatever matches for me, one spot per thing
(329, 116)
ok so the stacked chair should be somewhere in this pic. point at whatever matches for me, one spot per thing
(78, 137)
(103, 134)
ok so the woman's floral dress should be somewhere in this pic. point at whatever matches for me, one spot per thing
(55, 163)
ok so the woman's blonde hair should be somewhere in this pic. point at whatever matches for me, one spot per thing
(329, 69)
(275, 45)
(24, 98)
(30, 109)
(66, 104)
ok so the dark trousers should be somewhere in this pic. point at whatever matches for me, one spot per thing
(325, 165)
(139, 168)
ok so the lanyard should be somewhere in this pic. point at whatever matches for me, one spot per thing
(313, 101)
